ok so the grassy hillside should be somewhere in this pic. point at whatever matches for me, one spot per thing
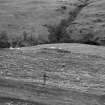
(91, 20)
(76, 72)
(17, 16)
(76, 75)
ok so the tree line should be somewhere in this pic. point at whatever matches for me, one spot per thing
(19, 41)
(57, 33)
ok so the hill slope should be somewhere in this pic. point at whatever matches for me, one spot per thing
(91, 20)
(17, 16)
(75, 72)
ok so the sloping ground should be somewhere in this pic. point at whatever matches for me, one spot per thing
(76, 75)
(91, 20)
(17, 16)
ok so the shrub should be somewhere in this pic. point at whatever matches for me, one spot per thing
(57, 33)
(101, 40)
(26, 40)
(89, 39)
(4, 43)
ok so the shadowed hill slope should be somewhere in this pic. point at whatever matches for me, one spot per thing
(91, 20)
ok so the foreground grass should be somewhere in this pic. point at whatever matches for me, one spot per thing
(76, 75)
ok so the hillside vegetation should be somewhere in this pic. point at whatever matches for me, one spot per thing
(73, 21)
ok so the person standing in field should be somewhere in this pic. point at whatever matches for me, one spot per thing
(44, 78)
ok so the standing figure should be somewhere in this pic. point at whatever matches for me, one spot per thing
(44, 78)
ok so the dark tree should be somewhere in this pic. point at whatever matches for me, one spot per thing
(4, 41)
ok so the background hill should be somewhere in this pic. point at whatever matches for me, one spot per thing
(91, 20)
(17, 16)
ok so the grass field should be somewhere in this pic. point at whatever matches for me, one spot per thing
(76, 75)
(76, 72)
